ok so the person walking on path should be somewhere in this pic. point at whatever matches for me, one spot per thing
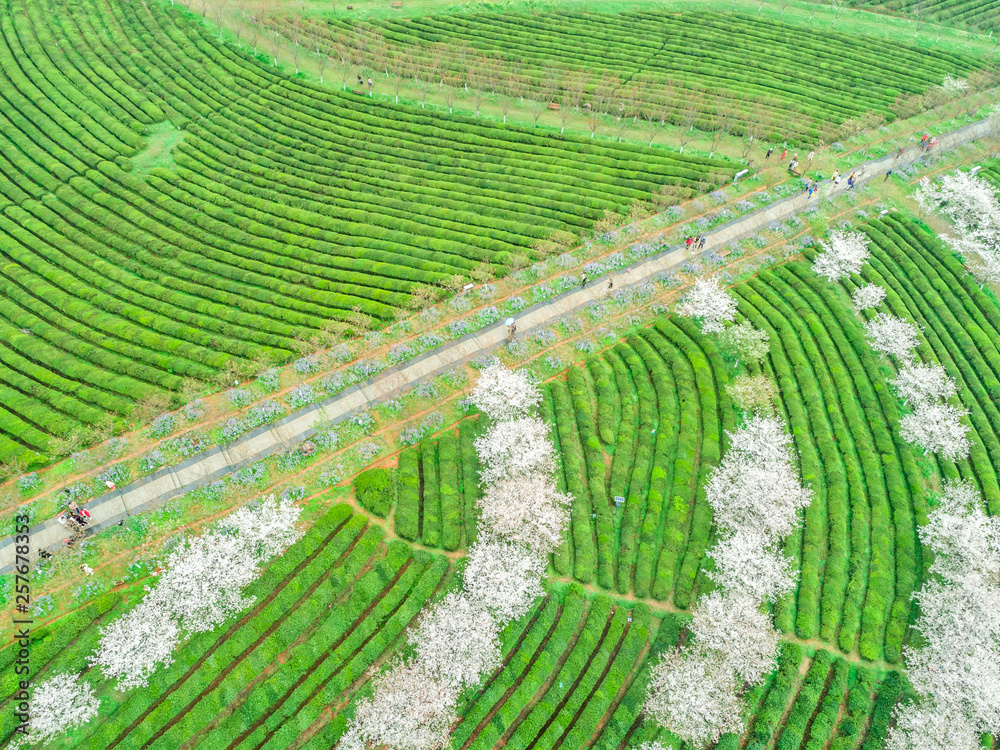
(583, 280)
(850, 182)
(812, 188)
(361, 81)
(369, 85)
(769, 152)
(887, 175)
(611, 285)
(701, 242)
(688, 242)
(783, 155)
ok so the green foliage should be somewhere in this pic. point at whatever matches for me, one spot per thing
(375, 490)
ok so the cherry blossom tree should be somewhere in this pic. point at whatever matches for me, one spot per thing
(937, 428)
(409, 709)
(709, 302)
(58, 704)
(201, 587)
(505, 577)
(954, 86)
(754, 488)
(968, 200)
(746, 563)
(867, 297)
(502, 393)
(923, 383)
(516, 447)
(527, 510)
(957, 670)
(457, 641)
(843, 254)
(924, 726)
(745, 342)
(693, 694)
(894, 336)
(734, 625)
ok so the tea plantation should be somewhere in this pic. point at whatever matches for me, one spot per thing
(173, 206)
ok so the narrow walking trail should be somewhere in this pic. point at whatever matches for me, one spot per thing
(170, 482)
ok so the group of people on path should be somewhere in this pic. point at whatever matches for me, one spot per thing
(697, 242)
(76, 518)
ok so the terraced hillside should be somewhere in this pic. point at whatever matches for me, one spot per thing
(129, 266)
(978, 14)
(738, 72)
(287, 673)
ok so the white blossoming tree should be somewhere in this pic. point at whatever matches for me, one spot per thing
(201, 587)
(516, 447)
(922, 383)
(745, 342)
(843, 254)
(868, 296)
(710, 303)
(734, 625)
(893, 336)
(456, 641)
(503, 394)
(409, 709)
(504, 576)
(746, 563)
(968, 200)
(58, 704)
(937, 428)
(957, 670)
(694, 695)
(954, 86)
(527, 510)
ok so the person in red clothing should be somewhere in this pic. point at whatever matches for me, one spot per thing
(688, 241)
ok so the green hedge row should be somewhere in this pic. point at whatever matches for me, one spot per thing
(408, 512)
(806, 702)
(375, 490)
(767, 720)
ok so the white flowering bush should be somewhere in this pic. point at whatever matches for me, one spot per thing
(937, 428)
(456, 641)
(893, 336)
(956, 672)
(527, 510)
(516, 447)
(843, 254)
(868, 296)
(710, 303)
(923, 383)
(753, 393)
(745, 342)
(200, 588)
(58, 704)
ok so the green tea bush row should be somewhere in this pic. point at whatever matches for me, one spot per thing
(407, 516)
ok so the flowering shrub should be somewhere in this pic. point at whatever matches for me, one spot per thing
(115, 448)
(119, 474)
(331, 383)
(194, 410)
(306, 365)
(232, 429)
(429, 341)
(458, 328)
(514, 304)
(399, 353)
(151, 461)
(27, 483)
(365, 452)
(486, 291)
(426, 389)
(263, 413)
(487, 316)
(301, 396)
(200, 588)
(341, 353)
(162, 426)
(239, 397)
(544, 337)
(59, 704)
(270, 380)
(363, 419)
(586, 345)
(249, 475)
(332, 474)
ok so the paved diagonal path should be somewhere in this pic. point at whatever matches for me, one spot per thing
(171, 482)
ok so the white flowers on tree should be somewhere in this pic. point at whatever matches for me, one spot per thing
(893, 336)
(746, 563)
(745, 342)
(922, 383)
(456, 643)
(736, 627)
(58, 704)
(937, 428)
(957, 671)
(867, 297)
(516, 447)
(709, 302)
(971, 204)
(755, 497)
(410, 709)
(200, 588)
(843, 254)
(504, 576)
(692, 694)
(954, 86)
(502, 393)
(526, 509)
